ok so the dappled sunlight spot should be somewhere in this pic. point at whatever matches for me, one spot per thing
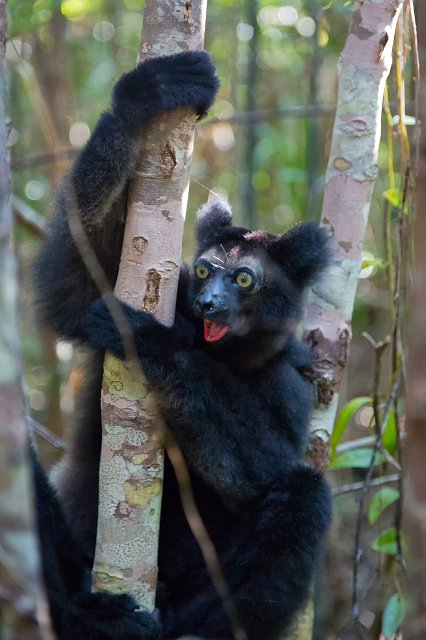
(76, 9)
(323, 37)
(17, 49)
(287, 16)
(223, 137)
(273, 33)
(268, 16)
(284, 215)
(223, 109)
(35, 190)
(79, 133)
(37, 399)
(306, 27)
(103, 31)
(244, 31)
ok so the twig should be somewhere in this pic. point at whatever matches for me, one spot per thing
(43, 158)
(358, 486)
(379, 349)
(45, 433)
(29, 217)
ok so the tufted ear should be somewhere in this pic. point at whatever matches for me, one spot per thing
(303, 252)
(213, 217)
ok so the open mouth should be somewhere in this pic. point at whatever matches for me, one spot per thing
(213, 331)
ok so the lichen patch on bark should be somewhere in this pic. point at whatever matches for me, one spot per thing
(139, 244)
(358, 28)
(319, 451)
(341, 164)
(187, 12)
(331, 357)
(152, 295)
(346, 246)
(168, 159)
(140, 495)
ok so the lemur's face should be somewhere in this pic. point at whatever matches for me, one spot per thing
(230, 286)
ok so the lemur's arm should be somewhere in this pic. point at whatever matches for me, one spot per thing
(220, 424)
(96, 188)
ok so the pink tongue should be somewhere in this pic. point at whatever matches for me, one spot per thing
(214, 331)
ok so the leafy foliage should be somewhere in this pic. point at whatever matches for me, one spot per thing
(384, 497)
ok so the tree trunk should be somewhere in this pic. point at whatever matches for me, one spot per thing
(132, 456)
(23, 605)
(415, 445)
(351, 174)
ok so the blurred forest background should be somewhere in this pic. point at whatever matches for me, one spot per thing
(264, 146)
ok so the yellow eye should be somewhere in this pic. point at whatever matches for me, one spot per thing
(244, 279)
(201, 271)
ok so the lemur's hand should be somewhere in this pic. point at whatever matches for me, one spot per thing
(99, 329)
(185, 79)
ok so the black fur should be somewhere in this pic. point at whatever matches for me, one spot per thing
(75, 612)
(238, 406)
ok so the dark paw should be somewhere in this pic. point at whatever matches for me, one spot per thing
(104, 616)
(185, 79)
(104, 330)
(188, 79)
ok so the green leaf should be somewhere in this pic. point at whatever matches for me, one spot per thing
(378, 263)
(394, 196)
(393, 615)
(370, 264)
(345, 416)
(382, 499)
(77, 9)
(390, 436)
(356, 458)
(386, 542)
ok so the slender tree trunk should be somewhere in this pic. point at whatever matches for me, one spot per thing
(415, 445)
(351, 174)
(23, 605)
(132, 455)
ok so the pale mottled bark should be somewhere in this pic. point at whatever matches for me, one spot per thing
(352, 170)
(23, 605)
(351, 174)
(132, 456)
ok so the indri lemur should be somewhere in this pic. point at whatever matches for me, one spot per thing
(230, 381)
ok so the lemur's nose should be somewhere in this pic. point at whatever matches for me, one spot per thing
(206, 302)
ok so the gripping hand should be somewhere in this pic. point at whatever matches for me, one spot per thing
(165, 83)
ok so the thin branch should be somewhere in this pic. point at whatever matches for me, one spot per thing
(44, 158)
(359, 486)
(29, 217)
(45, 433)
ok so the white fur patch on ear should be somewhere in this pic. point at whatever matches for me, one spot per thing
(213, 216)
